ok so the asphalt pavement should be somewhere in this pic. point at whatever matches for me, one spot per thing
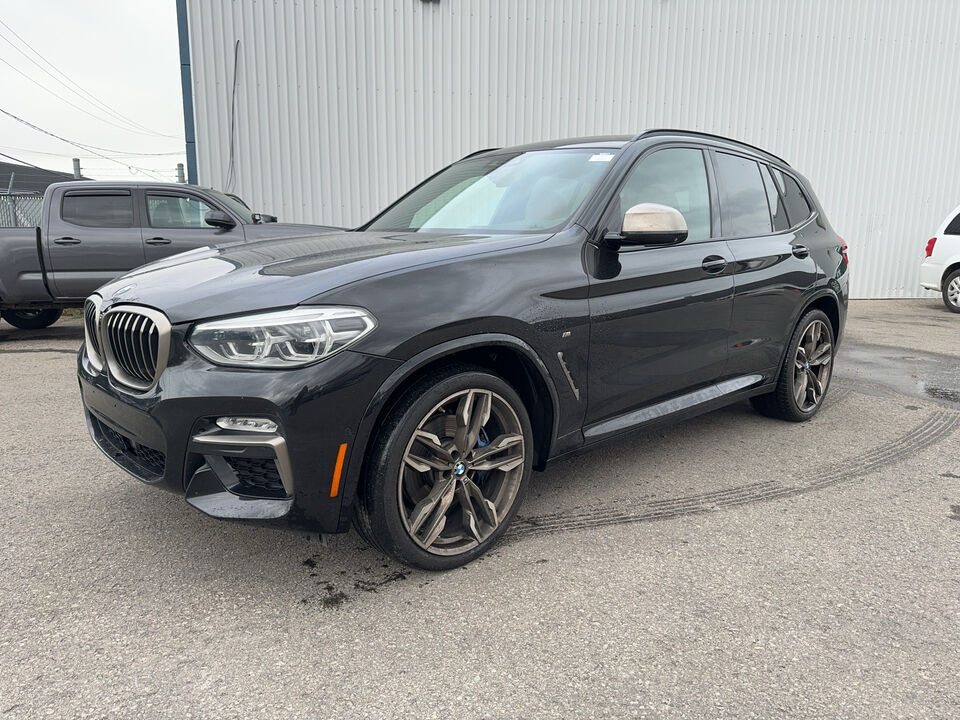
(727, 566)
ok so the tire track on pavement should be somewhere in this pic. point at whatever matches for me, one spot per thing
(935, 428)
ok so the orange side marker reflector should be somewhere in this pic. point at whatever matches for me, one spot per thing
(335, 486)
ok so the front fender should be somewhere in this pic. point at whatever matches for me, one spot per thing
(381, 400)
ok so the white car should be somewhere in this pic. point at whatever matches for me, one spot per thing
(940, 269)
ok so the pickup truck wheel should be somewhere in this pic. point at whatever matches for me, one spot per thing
(447, 471)
(31, 319)
(951, 291)
(805, 373)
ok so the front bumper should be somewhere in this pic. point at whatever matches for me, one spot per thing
(931, 274)
(168, 436)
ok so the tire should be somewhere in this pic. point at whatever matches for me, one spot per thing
(951, 291)
(795, 397)
(401, 498)
(31, 319)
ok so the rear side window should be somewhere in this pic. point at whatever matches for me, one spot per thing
(798, 207)
(98, 210)
(954, 227)
(744, 210)
(777, 210)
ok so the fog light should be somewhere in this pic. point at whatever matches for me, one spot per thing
(249, 424)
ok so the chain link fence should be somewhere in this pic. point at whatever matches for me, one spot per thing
(20, 210)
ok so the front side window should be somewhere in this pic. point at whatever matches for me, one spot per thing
(532, 191)
(675, 177)
(744, 211)
(176, 211)
(91, 210)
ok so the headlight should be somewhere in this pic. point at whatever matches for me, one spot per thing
(282, 339)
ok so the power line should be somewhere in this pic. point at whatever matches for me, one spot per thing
(89, 96)
(22, 162)
(73, 155)
(76, 144)
(71, 104)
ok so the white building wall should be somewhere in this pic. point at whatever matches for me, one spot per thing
(343, 104)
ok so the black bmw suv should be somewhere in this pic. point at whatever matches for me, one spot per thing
(520, 305)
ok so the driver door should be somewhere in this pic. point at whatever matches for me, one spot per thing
(660, 320)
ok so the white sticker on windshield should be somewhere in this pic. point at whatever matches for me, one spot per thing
(601, 157)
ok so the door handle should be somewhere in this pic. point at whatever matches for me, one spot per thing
(158, 241)
(800, 251)
(713, 264)
(67, 241)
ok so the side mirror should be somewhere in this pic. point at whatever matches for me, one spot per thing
(652, 224)
(264, 218)
(219, 219)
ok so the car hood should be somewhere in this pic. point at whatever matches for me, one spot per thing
(249, 276)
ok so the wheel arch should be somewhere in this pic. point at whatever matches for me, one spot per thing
(507, 356)
(830, 306)
(825, 300)
(951, 268)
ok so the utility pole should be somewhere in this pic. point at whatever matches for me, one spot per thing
(76, 168)
(180, 178)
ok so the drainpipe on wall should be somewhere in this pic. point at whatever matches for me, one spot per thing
(186, 85)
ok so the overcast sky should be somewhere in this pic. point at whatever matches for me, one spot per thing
(124, 53)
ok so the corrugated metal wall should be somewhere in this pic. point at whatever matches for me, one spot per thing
(341, 105)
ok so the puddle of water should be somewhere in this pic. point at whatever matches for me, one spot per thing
(912, 373)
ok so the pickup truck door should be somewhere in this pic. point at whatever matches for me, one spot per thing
(173, 222)
(92, 237)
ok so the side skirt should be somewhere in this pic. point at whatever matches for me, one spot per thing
(685, 406)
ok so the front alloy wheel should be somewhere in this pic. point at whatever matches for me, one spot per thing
(461, 471)
(448, 469)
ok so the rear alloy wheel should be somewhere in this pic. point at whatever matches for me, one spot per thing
(951, 291)
(449, 470)
(805, 373)
(31, 319)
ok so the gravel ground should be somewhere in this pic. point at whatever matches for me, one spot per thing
(727, 566)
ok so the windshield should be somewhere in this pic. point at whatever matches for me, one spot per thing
(236, 207)
(513, 192)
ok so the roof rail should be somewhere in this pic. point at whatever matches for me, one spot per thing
(674, 131)
(478, 152)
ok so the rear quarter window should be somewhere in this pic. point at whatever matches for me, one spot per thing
(798, 207)
(953, 228)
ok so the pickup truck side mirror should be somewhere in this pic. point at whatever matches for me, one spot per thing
(219, 219)
(652, 224)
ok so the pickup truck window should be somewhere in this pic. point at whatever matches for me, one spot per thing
(176, 211)
(98, 209)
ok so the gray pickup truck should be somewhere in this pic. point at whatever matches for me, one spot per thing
(91, 232)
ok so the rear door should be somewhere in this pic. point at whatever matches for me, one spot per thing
(765, 225)
(93, 236)
(174, 223)
(659, 321)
